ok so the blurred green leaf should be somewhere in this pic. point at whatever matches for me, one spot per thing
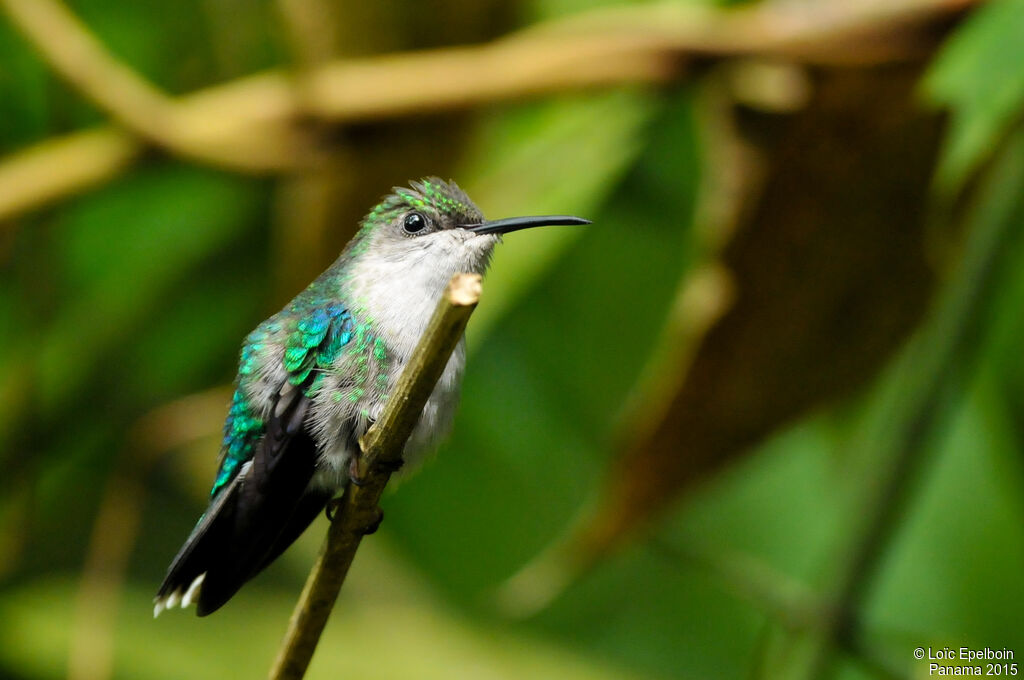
(199, 329)
(560, 157)
(121, 250)
(23, 84)
(978, 77)
(951, 577)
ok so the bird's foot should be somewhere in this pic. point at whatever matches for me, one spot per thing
(354, 474)
(333, 506)
(369, 525)
(356, 477)
(391, 466)
(372, 523)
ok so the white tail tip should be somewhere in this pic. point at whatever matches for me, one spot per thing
(176, 597)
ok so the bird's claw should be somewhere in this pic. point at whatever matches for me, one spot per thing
(357, 478)
(391, 466)
(374, 523)
(332, 508)
(370, 526)
(354, 474)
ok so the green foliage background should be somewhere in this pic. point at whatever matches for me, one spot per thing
(118, 301)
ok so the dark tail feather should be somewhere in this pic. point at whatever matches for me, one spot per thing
(251, 521)
(201, 549)
(310, 505)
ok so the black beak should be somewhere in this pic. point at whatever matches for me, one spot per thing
(517, 223)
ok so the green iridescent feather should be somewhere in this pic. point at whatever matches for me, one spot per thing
(316, 338)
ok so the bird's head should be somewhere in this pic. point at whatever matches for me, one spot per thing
(435, 223)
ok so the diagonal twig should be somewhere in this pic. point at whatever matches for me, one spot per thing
(382, 448)
(79, 57)
(940, 363)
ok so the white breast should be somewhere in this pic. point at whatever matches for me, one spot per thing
(396, 291)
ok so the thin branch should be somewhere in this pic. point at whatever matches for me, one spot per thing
(616, 46)
(601, 48)
(382, 448)
(792, 603)
(73, 52)
(311, 30)
(941, 363)
(788, 602)
(79, 57)
(64, 166)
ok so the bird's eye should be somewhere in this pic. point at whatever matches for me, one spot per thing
(414, 223)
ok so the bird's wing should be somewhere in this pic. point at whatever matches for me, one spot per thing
(261, 500)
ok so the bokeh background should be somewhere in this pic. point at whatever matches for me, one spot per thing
(763, 419)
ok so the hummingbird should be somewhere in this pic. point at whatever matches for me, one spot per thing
(315, 376)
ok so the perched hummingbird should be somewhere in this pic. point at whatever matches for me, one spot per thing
(315, 376)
